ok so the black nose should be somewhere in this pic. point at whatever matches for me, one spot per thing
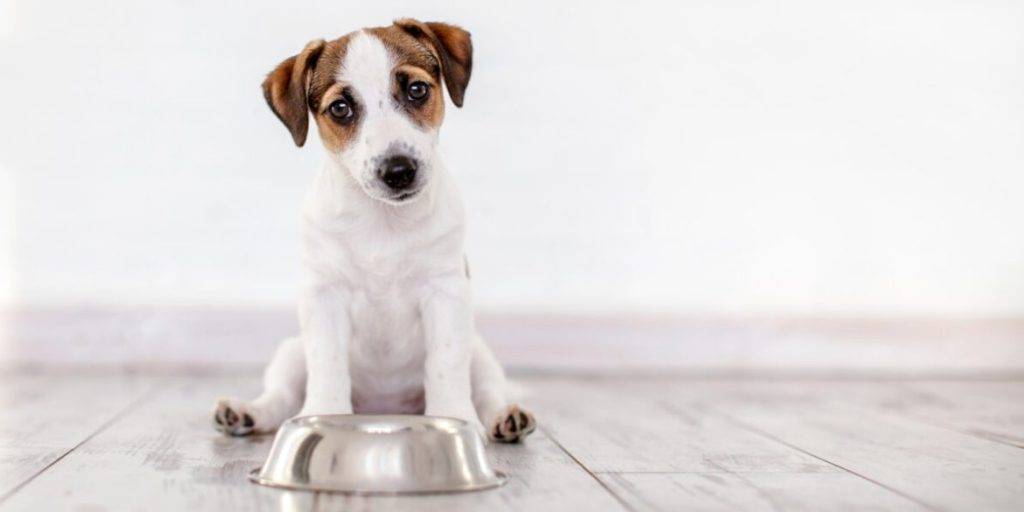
(397, 172)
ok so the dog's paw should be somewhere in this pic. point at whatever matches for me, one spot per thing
(512, 425)
(233, 417)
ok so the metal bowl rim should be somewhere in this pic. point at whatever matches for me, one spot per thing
(500, 479)
(421, 419)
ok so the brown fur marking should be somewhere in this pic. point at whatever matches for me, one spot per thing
(453, 47)
(308, 82)
(285, 89)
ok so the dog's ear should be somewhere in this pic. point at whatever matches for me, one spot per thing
(452, 45)
(287, 87)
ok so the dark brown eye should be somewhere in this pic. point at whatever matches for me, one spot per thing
(417, 91)
(340, 109)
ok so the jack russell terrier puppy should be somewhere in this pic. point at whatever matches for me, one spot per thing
(385, 308)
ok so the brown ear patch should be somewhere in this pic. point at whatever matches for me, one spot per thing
(287, 86)
(453, 47)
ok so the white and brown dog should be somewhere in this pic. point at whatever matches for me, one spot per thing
(385, 309)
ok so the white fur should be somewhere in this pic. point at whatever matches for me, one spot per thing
(367, 68)
(386, 308)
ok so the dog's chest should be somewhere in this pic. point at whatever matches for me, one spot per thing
(386, 353)
(387, 347)
(384, 268)
(386, 327)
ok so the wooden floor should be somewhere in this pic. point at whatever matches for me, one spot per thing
(94, 442)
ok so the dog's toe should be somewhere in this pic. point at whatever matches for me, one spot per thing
(513, 425)
(233, 418)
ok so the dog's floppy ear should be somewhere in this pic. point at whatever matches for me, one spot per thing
(452, 45)
(287, 86)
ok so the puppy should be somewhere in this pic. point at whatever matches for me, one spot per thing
(385, 308)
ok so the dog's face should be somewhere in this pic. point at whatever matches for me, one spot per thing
(376, 96)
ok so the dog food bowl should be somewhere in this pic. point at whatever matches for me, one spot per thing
(370, 454)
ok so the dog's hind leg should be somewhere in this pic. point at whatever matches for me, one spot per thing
(506, 423)
(284, 383)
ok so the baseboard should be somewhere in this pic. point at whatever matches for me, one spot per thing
(222, 338)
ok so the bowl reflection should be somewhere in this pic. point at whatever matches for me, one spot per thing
(373, 454)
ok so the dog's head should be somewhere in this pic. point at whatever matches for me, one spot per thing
(377, 101)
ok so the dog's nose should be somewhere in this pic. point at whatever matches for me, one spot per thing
(397, 172)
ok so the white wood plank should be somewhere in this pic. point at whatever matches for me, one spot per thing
(993, 410)
(990, 409)
(43, 416)
(943, 468)
(624, 426)
(164, 455)
(752, 492)
(541, 477)
(655, 445)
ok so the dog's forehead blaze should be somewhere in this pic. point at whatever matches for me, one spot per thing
(403, 49)
(343, 59)
(407, 50)
(420, 62)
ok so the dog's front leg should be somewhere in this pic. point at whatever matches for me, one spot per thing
(326, 329)
(448, 325)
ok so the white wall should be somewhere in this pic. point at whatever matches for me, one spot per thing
(740, 156)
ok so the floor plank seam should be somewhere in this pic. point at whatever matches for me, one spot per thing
(995, 438)
(587, 470)
(766, 435)
(924, 420)
(990, 437)
(107, 424)
(767, 497)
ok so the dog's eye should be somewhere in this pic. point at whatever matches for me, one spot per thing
(340, 109)
(418, 91)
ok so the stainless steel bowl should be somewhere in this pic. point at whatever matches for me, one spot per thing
(371, 454)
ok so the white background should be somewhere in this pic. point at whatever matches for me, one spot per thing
(792, 157)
